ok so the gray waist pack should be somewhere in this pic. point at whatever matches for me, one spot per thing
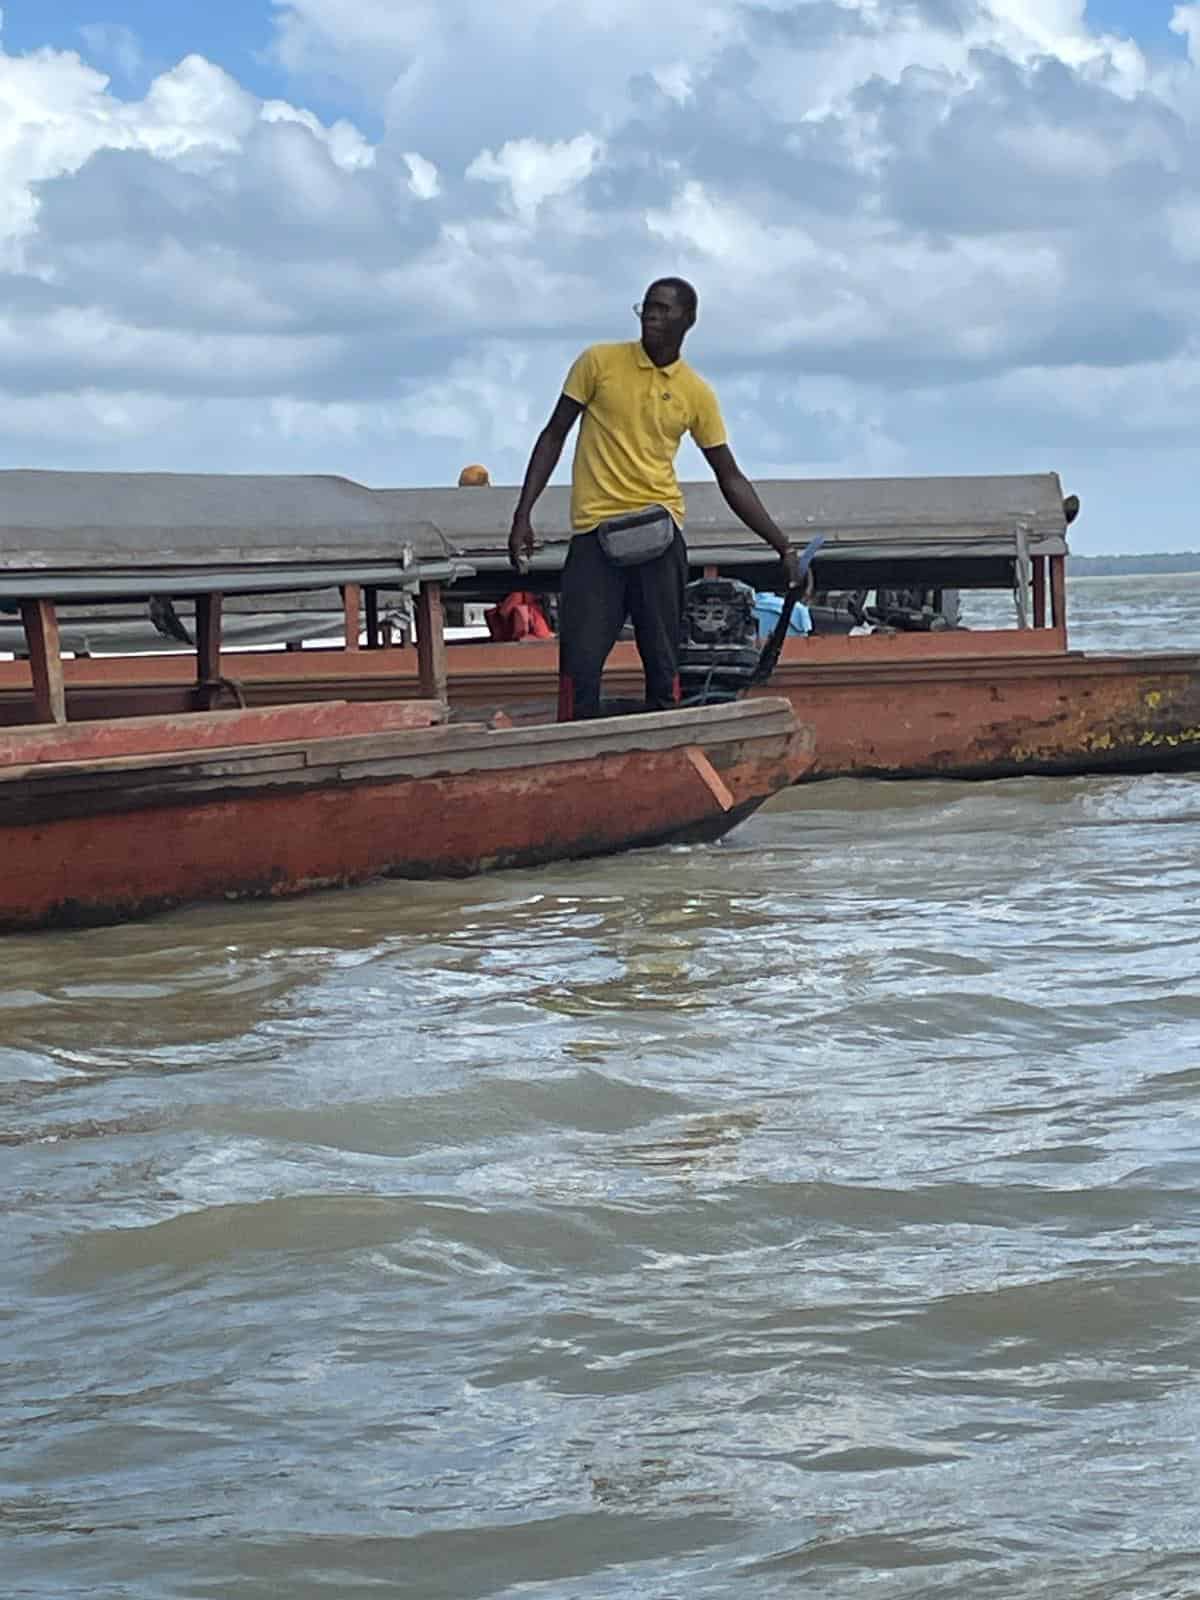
(628, 541)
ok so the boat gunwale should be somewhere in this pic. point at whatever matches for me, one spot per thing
(49, 791)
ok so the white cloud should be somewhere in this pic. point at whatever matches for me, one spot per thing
(534, 172)
(675, 80)
(539, 69)
(346, 146)
(1185, 21)
(928, 235)
(423, 177)
(60, 113)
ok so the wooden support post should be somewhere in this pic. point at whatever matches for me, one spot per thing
(1058, 592)
(208, 650)
(1021, 579)
(351, 605)
(45, 660)
(371, 597)
(1039, 591)
(431, 642)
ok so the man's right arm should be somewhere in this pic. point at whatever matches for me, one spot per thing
(542, 462)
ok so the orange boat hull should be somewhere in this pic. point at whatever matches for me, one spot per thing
(96, 841)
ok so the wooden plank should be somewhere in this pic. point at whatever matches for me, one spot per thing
(1021, 568)
(33, 806)
(45, 660)
(305, 751)
(194, 731)
(208, 649)
(44, 795)
(431, 642)
(457, 762)
(710, 777)
(50, 776)
(1058, 591)
(43, 801)
(663, 730)
(1039, 591)
(371, 598)
(351, 613)
(308, 753)
(575, 741)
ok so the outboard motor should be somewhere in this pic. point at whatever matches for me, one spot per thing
(719, 649)
(906, 610)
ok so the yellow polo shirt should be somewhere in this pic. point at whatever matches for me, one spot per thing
(635, 415)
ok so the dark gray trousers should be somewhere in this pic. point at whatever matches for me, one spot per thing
(597, 596)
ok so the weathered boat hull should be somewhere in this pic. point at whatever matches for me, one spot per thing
(964, 705)
(1004, 717)
(96, 841)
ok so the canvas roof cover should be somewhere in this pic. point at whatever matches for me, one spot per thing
(950, 520)
(119, 534)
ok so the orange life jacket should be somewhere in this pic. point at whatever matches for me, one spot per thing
(518, 616)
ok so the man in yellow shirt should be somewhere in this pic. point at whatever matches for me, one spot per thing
(637, 400)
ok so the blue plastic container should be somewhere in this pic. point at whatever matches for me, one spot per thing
(766, 611)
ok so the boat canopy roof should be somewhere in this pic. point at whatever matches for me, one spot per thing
(970, 529)
(117, 535)
(111, 535)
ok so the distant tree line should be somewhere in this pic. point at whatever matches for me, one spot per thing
(1119, 566)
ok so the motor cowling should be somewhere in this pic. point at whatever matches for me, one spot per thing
(719, 646)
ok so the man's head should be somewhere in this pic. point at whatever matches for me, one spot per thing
(667, 312)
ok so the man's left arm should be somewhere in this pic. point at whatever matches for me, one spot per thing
(742, 499)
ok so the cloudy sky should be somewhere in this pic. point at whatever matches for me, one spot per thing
(368, 236)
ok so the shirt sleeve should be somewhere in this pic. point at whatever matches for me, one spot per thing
(581, 380)
(707, 425)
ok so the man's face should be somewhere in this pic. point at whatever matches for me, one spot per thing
(664, 318)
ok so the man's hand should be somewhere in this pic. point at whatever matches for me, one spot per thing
(520, 543)
(792, 575)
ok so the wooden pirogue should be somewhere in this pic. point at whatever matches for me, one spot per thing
(977, 703)
(105, 819)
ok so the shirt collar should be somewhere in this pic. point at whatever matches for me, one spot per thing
(644, 361)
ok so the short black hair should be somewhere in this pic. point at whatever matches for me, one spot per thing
(688, 297)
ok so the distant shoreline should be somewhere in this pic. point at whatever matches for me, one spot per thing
(1133, 566)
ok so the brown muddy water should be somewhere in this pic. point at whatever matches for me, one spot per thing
(810, 1214)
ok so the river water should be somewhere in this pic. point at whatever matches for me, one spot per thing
(811, 1214)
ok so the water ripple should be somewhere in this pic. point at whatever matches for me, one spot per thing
(807, 1213)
